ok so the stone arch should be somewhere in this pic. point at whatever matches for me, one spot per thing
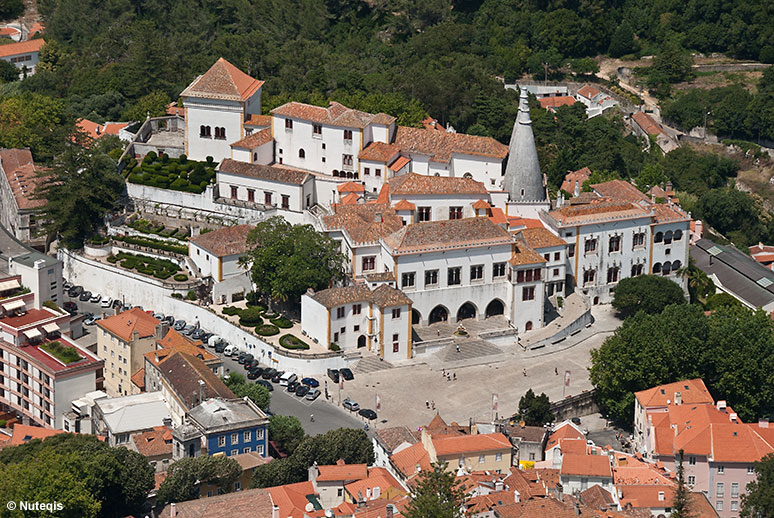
(416, 317)
(439, 314)
(301, 153)
(361, 341)
(496, 307)
(467, 310)
(467, 175)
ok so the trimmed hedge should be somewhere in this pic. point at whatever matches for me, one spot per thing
(159, 268)
(334, 347)
(156, 244)
(271, 315)
(180, 174)
(112, 259)
(231, 311)
(180, 277)
(99, 240)
(250, 317)
(177, 296)
(253, 299)
(282, 322)
(267, 330)
(291, 342)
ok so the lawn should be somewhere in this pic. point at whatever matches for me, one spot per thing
(64, 353)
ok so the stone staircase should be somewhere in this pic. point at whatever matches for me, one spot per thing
(371, 363)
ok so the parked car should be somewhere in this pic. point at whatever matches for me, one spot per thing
(266, 384)
(350, 405)
(117, 304)
(313, 394)
(197, 334)
(241, 358)
(70, 307)
(251, 364)
(188, 330)
(310, 382)
(84, 296)
(106, 303)
(292, 386)
(159, 316)
(277, 376)
(368, 413)
(346, 374)
(90, 321)
(254, 373)
(334, 375)
(206, 337)
(75, 291)
(230, 350)
(268, 374)
(169, 319)
(302, 391)
(95, 298)
(179, 325)
(247, 359)
(220, 347)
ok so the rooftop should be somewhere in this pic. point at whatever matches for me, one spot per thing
(224, 241)
(157, 441)
(440, 146)
(525, 255)
(254, 139)
(691, 392)
(620, 190)
(574, 464)
(23, 433)
(413, 183)
(342, 471)
(383, 296)
(379, 152)
(589, 91)
(132, 413)
(557, 101)
(598, 212)
(21, 174)
(646, 122)
(580, 176)
(22, 47)
(393, 437)
(445, 446)
(218, 412)
(335, 114)
(183, 372)
(540, 238)
(125, 324)
(264, 172)
(223, 81)
(410, 461)
(364, 222)
(255, 503)
(446, 235)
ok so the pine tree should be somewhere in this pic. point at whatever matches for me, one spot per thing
(680, 505)
(436, 495)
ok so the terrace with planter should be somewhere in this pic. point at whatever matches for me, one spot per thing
(64, 353)
(177, 174)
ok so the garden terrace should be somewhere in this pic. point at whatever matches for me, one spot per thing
(155, 244)
(149, 227)
(178, 174)
(64, 353)
(158, 268)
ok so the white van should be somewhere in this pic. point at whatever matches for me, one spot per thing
(230, 350)
(287, 378)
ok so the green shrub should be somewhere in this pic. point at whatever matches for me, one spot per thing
(177, 295)
(183, 159)
(64, 353)
(231, 311)
(190, 295)
(150, 157)
(291, 342)
(3, 422)
(267, 330)
(209, 160)
(282, 322)
(334, 347)
(112, 259)
(164, 158)
(180, 277)
(251, 317)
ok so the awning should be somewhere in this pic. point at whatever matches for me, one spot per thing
(14, 305)
(50, 328)
(10, 285)
(32, 333)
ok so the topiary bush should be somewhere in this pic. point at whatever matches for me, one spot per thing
(231, 311)
(271, 315)
(180, 277)
(250, 317)
(334, 347)
(267, 330)
(253, 298)
(282, 322)
(291, 342)
(177, 295)
(112, 259)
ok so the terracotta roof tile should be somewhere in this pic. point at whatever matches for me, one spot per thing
(335, 115)
(557, 101)
(399, 163)
(351, 187)
(224, 241)
(379, 152)
(597, 497)
(440, 146)
(223, 81)
(646, 122)
(471, 443)
(404, 205)
(261, 121)
(407, 460)
(362, 221)
(124, 324)
(255, 503)
(586, 465)
(264, 172)
(525, 255)
(251, 460)
(393, 437)
(386, 296)
(183, 372)
(665, 212)
(381, 276)
(620, 190)
(342, 471)
(254, 139)
(24, 433)
(291, 498)
(447, 235)
(383, 296)
(138, 379)
(154, 442)
(580, 176)
(540, 238)
(481, 204)
(413, 183)
(646, 496)
(565, 431)
(588, 91)
(21, 47)
(691, 391)
(605, 211)
(22, 176)
(350, 199)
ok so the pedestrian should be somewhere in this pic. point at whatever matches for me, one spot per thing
(448, 377)
(556, 371)
(458, 348)
(311, 417)
(455, 376)
(427, 404)
(432, 404)
(443, 372)
(524, 371)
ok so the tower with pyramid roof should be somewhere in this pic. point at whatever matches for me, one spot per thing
(523, 180)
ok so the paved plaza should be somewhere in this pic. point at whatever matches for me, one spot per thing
(481, 369)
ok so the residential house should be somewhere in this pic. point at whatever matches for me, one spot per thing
(552, 103)
(216, 255)
(764, 254)
(23, 54)
(40, 273)
(20, 212)
(528, 443)
(255, 503)
(554, 251)
(643, 125)
(482, 452)
(596, 101)
(579, 471)
(329, 481)
(265, 187)
(155, 445)
(118, 418)
(149, 377)
(574, 180)
(389, 441)
(248, 462)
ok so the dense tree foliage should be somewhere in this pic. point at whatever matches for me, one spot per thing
(286, 431)
(10, 9)
(240, 387)
(648, 293)
(285, 260)
(437, 494)
(353, 446)
(680, 343)
(186, 476)
(535, 410)
(89, 477)
(758, 501)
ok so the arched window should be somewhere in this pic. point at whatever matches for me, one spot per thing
(255, 157)
(668, 237)
(659, 237)
(657, 268)
(335, 172)
(467, 175)
(678, 235)
(217, 132)
(301, 153)
(202, 130)
(676, 265)
(528, 326)
(667, 268)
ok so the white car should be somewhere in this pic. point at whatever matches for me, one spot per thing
(107, 303)
(95, 298)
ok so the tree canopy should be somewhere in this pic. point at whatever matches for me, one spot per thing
(240, 387)
(758, 501)
(286, 431)
(648, 293)
(535, 410)
(436, 495)
(186, 476)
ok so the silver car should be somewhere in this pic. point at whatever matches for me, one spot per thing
(313, 394)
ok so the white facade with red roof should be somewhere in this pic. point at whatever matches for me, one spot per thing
(23, 54)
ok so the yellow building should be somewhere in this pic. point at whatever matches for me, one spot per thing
(482, 452)
(248, 461)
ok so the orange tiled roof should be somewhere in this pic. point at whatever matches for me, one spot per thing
(154, 442)
(446, 235)
(24, 433)
(159, 355)
(471, 443)
(440, 146)
(666, 212)
(377, 477)
(525, 255)
(90, 128)
(113, 128)
(647, 496)
(335, 114)
(620, 190)
(597, 497)
(646, 122)
(394, 436)
(582, 214)
(123, 325)
(223, 81)
(540, 238)
(36, 28)
(174, 339)
(588, 91)
(22, 47)
(138, 378)
(350, 199)
(413, 183)
(557, 101)
(399, 163)
(586, 465)
(362, 222)
(481, 204)
(378, 152)
(404, 205)
(342, 471)
(351, 187)
(254, 139)
(224, 241)
(691, 392)
(580, 176)
(263, 121)
(291, 498)
(272, 173)
(407, 460)
(255, 503)
(22, 176)
(565, 431)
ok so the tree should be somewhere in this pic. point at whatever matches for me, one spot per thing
(34, 121)
(286, 432)
(8, 72)
(719, 300)
(535, 410)
(256, 393)
(700, 286)
(80, 189)
(153, 104)
(622, 41)
(10, 9)
(680, 502)
(758, 501)
(437, 495)
(285, 260)
(186, 476)
(648, 293)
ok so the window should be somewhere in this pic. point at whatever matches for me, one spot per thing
(477, 273)
(377, 172)
(340, 312)
(316, 130)
(356, 309)
(220, 133)
(396, 314)
(356, 328)
(719, 505)
(234, 452)
(234, 438)
(589, 276)
(659, 237)
(234, 190)
(531, 456)
(615, 244)
(498, 270)
(221, 440)
(366, 171)
(347, 134)
(335, 337)
(455, 212)
(636, 270)
(734, 505)
(692, 461)
(556, 272)
(255, 157)
(369, 262)
(751, 470)
(301, 153)
(547, 257)
(668, 237)
(657, 268)
(499, 457)
(250, 194)
(691, 480)
(720, 490)
(666, 268)
(453, 276)
(481, 459)
(735, 490)
(571, 251)
(721, 470)
(590, 246)
(343, 330)
(431, 277)
(285, 201)
(612, 274)
(408, 279)
(528, 293)
(678, 235)
(267, 198)
(248, 436)
(520, 276)
(289, 124)
(638, 239)
(346, 160)
(340, 492)
(557, 256)
(204, 131)
(424, 213)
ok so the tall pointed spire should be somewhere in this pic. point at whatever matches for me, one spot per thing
(523, 179)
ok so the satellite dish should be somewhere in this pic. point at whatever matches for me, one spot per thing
(309, 507)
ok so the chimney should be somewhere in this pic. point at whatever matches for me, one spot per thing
(576, 508)
(378, 217)
(577, 188)
(274, 511)
(388, 510)
(732, 417)
(172, 510)
(763, 422)
(201, 391)
(678, 398)
(499, 486)
(721, 405)
(161, 330)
